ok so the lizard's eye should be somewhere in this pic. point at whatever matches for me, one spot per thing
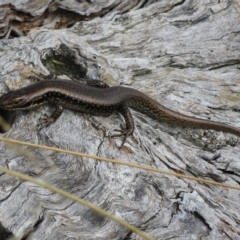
(16, 100)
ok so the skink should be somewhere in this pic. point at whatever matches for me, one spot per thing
(102, 100)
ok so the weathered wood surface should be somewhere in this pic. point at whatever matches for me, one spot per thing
(185, 55)
(17, 18)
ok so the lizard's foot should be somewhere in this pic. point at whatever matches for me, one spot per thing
(123, 132)
(45, 121)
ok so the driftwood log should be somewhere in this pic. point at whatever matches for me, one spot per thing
(185, 55)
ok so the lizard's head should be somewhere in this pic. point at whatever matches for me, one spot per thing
(15, 100)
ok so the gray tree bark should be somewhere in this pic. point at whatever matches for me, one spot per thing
(183, 54)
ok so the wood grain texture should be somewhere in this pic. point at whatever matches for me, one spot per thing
(18, 18)
(185, 55)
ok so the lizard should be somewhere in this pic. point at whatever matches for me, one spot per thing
(97, 98)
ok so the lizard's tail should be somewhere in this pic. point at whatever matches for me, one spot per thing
(148, 106)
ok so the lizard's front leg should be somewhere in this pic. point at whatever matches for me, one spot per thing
(48, 120)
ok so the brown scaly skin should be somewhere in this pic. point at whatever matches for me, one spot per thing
(100, 99)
